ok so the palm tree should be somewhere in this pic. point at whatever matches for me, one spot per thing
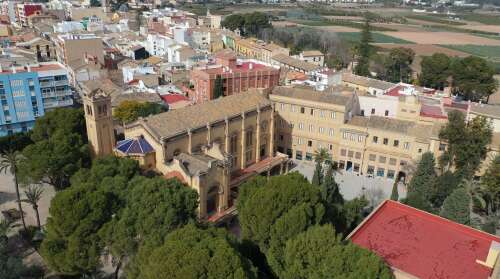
(33, 196)
(9, 161)
(5, 227)
(321, 155)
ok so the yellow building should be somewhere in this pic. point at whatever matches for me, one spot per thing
(254, 49)
(380, 146)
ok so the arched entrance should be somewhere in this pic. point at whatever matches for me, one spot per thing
(212, 200)
(401, 176)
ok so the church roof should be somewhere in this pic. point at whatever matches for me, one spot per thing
(176, 122)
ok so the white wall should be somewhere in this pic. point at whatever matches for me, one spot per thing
(380, 104)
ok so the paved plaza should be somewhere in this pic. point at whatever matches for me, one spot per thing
(352, 185)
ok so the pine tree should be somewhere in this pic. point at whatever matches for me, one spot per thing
(395, 194)
(456, 207)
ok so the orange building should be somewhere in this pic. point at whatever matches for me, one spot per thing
(237, 76)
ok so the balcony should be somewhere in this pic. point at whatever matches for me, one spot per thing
(46, 84)
(57, 93)
(57, 104)
(61, 82)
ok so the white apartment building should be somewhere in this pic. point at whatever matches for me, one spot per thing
(158, 45)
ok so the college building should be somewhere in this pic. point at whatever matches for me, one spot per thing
(215, 146)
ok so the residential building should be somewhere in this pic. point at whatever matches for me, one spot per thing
(210, 21)
(206, 40)
(54, 83)
(256, 49)
(313, 57)
(418, 244)
(490, 112)
(294, 64)
(70, 47)
(21, 100)
(68, 26)
(24, 10)
(369, 85)
(237, 76)
(79, 13)
(42, 48)
(157, 44)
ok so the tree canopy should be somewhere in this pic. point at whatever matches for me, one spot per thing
(94, 213)
(456, 206)
(467, 144)
(260, 210)
(249, 23)
(129, 111)
(435, 71)
(139, 222)
(320, 253)
(15, 142)
(396, 65)
(473, 78)
(490, 183)
(191, 252)
(59, 149)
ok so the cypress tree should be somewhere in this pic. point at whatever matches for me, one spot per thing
(395, 194)
(456, 207)
(330, 189)
(318, 174)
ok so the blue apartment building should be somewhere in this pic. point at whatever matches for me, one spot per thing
(26, 93)
(21, 101)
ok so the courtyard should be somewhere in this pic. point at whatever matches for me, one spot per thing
(352, 185)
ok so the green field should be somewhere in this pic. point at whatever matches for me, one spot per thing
(377, 38)
(492, 52)
(435, 19)
(484, 19)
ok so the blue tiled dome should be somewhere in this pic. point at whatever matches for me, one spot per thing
(134, 146)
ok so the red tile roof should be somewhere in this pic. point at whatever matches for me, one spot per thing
(173, 98)
(432, 111)
(395, 91)
(424, 245)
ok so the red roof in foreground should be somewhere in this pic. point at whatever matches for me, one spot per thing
(424, 245)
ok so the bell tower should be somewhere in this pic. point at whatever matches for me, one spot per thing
(99, 122)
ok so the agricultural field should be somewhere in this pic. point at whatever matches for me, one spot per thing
(443, 38)
(490, 52)
(377, 37)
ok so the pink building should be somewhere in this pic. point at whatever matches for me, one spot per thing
(237, 77)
